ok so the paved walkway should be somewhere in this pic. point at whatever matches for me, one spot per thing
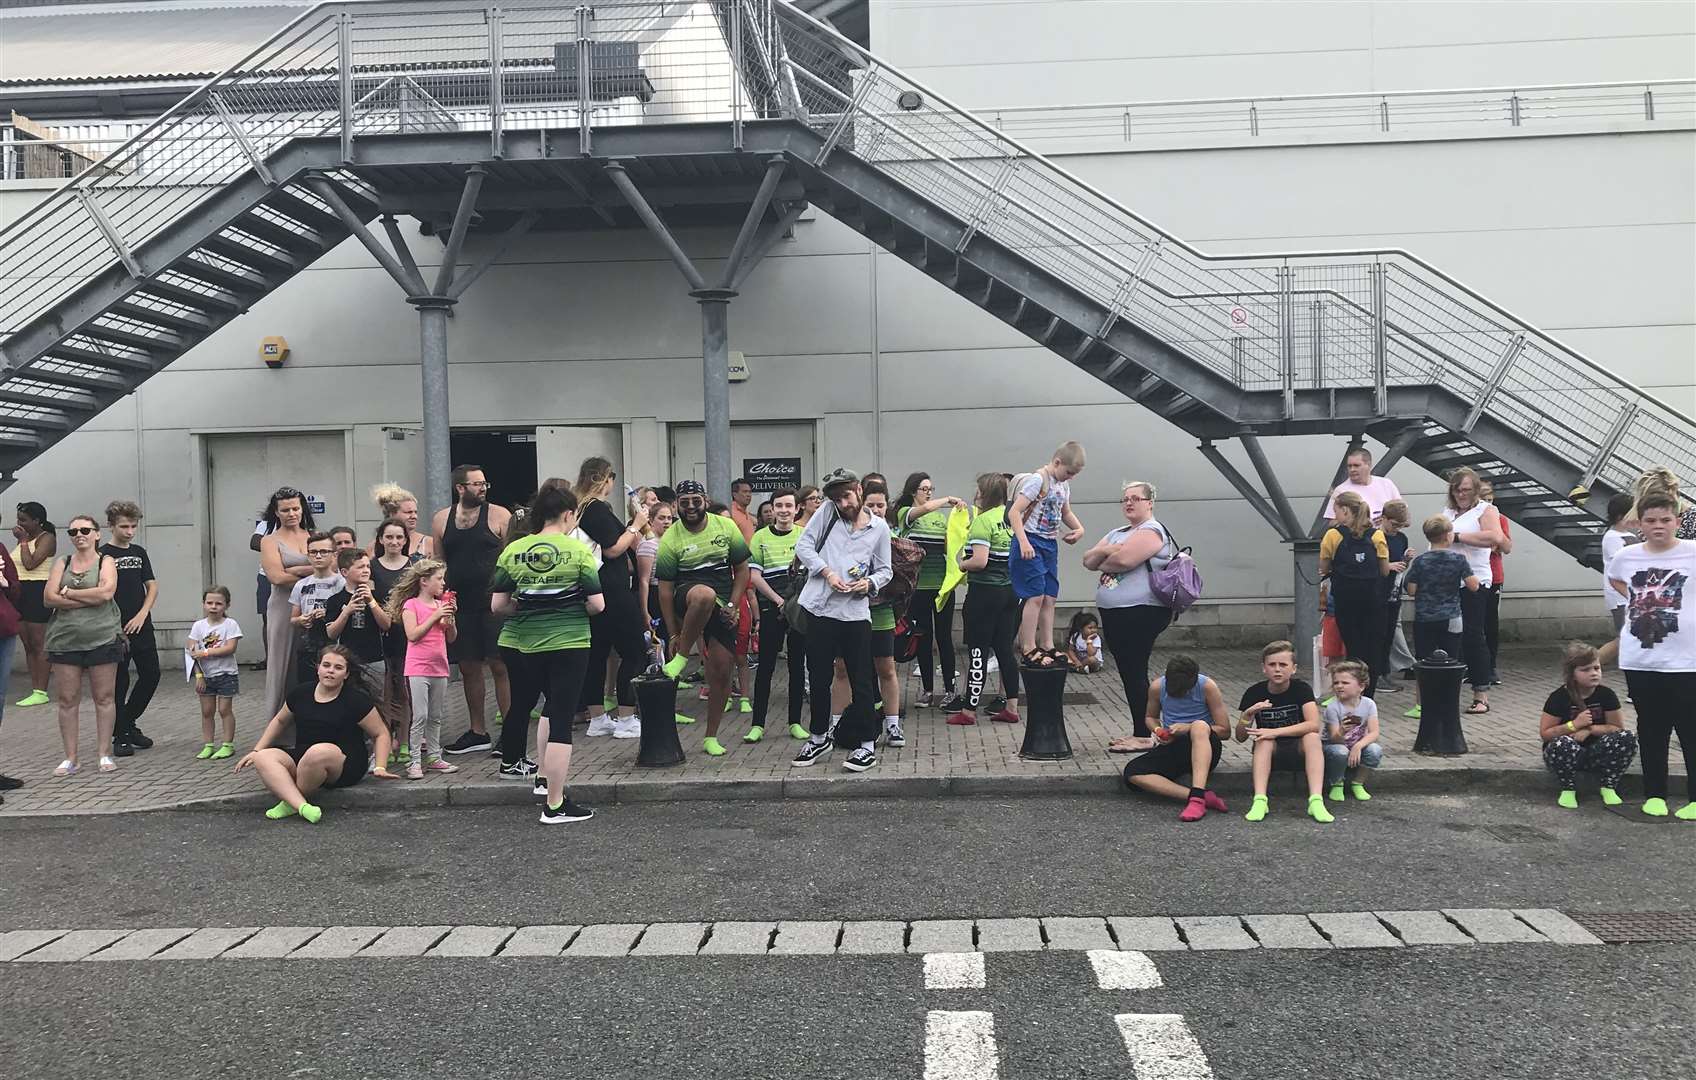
(937, 759)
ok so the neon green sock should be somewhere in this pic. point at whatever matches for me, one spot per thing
(280, 811)
(1655, 807)
(1413, 713)
(746, 706)
(713, 747)
(536, 713)
(205, 752)
(608, 704)
(1610, 797)
(1358, 790)
(755, 734)
(226, 750)
(1316, 810)
(674, 667)
(796, 731)
(685, 720)
(310, 813)
(1687, 812)
(1336, 793)
(404, 753)
(1568, 800)
(1257, 809)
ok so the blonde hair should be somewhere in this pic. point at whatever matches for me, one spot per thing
(388, 497)
(1361, 673)
(1395, 510)
(1148, 489)
(410, 585)
(1656, 480)
(594, 472)
(1360, 517)
(1070, 454)
(1455, 479)
(1436, 527)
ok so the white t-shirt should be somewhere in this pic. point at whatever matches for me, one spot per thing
(1660, 619)
(1048, 499)
(1082, 645)
(1612, 542)
(203, 635)
(311, 593)
(1376, 491)
(1350, 722)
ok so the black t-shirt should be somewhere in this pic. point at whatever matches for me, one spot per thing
(361, 633)
(1286, 708)
(135, 570)
(335, 721)
(602, 526)
(1600, 702)
(1398, 545)
(383, 581)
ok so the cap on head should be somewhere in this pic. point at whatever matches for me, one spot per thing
(690, 487)
(838, 477)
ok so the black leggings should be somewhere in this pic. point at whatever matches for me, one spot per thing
(1493, 624)
(1663, 706)
(1608, 756)
(1474, 615)
(774, 634)
(827, 641)
(557, 674)
(929, 624)
(1361, 619)
(618, 628)
(1130, 633)
(144, 654)
(991, 615)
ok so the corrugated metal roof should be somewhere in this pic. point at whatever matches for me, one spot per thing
(78, 46)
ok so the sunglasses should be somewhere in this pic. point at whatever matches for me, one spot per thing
(81, 530)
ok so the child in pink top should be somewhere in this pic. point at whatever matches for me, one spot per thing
(422, 605)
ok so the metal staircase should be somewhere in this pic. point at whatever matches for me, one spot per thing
(222, 200)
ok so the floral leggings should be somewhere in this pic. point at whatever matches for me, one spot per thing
(1606, 755)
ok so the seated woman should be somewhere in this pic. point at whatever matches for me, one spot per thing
(331, 722)
(1583, 727)
(1186, 713)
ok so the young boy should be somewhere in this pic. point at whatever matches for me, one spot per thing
(1042, 503)
(307, 602)
(1351, 729)
(354, 618)
(211, 650)
(138, 590)
(1186, 712)
(1281, 716)
(1434, 580)
(343, 537)
(1394, 525)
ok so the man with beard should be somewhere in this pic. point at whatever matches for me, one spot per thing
(702, 568)
(845, 551)
(468, 536)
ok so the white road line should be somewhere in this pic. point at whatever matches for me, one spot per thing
(954, 971)
(1162, 1048)
(960, 1046)
(1124, 970)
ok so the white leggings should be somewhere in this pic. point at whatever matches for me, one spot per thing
(429, 701)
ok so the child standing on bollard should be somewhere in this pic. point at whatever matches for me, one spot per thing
(211, 652)
(1040, 515)
(1434, 580)
(1281, 716)
(1351, 731)
(1583, 727)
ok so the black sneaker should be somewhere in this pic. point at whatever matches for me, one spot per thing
(540, 787)
(860, 760)
(10, 783)
(468, 743)
(893, 736)
(811, 753)
(518, 770)
(136, 739)
(565, 813)
(994, 705)
(955, 703)
(122, 749)
(1385, 686)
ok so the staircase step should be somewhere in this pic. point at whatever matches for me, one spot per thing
(130, 335)
(310, 214)
(14, 393)
(179, 321)
(296, 238)
(234, 248)
(82, 352)
(101, 383)
(205, 297)
(238, 281)
(19, 440)
(38, 421)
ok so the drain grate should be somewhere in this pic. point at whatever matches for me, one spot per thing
(1081, 698)
(1519, 834)
(1620, 927)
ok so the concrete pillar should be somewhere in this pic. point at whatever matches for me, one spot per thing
(715, 387)
(433, 363)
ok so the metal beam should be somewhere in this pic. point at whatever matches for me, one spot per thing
(461, 222)
(1274, 489)
(581, 190)
(1398, 449)
(751, 223)
(412, 284)
(627, 188)
(433, 366)
(233, 126)
(513, 232)
(104, 224)
(1244, 488)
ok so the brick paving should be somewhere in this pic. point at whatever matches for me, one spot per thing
(980, 758)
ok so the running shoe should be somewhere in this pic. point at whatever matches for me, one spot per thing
(601, 725)
(469, 743)
(565, 813)
(628, 728)
(518, 770)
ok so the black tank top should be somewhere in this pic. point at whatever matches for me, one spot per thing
(470, 553)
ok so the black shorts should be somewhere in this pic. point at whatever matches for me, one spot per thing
(883, 644)
(354, 767)
(479, 630)
(721, 629)
(1428, 637)
(32, 601)
(1288, 756)
(1170, 759)
(89, 658)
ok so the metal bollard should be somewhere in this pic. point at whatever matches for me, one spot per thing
(656, 701)
(1440, 678)
(1045, 714)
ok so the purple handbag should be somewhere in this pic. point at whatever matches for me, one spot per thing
(1177, 584)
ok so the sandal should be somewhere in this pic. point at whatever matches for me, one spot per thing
(108, 765)
(1039, 659)
(66, 768)
(1478, 708)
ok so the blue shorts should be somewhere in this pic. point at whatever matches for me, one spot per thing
(228, 685)
(1039, 576)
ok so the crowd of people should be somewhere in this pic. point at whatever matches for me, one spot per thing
(558, 607)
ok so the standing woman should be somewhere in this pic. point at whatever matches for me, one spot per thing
(620, 625)
(991, 611)
(282, 555)
(659, 520)
(396, 502)
(83, 635)
(9, 625)
(807, 502)
(34, 551)
(922, 518)
(1493, 595)
(1478, 532)
(391, 543)
(1132, 618)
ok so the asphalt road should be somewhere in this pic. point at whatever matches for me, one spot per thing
(1510, 1011)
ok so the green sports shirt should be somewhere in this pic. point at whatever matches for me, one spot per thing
(883, 616)
(990, 530)
(930, 532)
(552, 577)
(770, 552)
(709, 557)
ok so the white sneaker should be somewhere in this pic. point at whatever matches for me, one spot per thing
(628, 728)
(602, 725)
(993, 665)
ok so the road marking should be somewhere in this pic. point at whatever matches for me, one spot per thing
(1558, 927)
(537, 940)
(1009, 935)
(73, 946)
(874, 937)
(405, 941)
(960, 1046)
(607, 939)
(1124, 970)
(1424, 928)
(1216, 932)
(472, 941)
(1077, 935)
(142, 944)
(272, 942)
(954, 971)
(16, 943)
(1162, 1048)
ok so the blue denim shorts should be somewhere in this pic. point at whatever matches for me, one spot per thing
(219, 685)
(1039, 576)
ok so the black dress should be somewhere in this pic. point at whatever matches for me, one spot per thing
(335, 722)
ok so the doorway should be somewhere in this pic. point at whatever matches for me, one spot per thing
(507, 458)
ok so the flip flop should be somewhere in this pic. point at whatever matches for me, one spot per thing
(66, 768)
(1478, 708)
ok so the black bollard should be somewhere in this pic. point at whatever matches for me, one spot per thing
(656, 701)
(1045, 713)
(1440, 678)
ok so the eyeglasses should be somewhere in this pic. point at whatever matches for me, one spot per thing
(1136, 499)
(81, 530)
(319, 551)
(475, 483)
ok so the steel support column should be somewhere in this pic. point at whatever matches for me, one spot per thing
(715, 385)
(1306, 622)
(433, 363)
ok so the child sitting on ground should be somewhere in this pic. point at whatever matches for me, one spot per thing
(1351, 731)
(211, 649)
(1186, 713)
(1281, 716)
(1583, 728)
(1083, 643)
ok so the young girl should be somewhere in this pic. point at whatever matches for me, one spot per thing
(1083, 643)
(1583, 728)
(387, 569)
(212, 650)
(1354, 557)
(1351, 731)
(425, 611)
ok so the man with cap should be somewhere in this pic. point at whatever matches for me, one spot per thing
(845, 550)
(702, 568)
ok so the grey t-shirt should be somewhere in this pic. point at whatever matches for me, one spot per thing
(1438, 576)
(1130, 588)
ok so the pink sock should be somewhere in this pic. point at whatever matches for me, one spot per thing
(1195, 810)
(1214, 802)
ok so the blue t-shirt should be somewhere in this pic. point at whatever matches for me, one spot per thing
(1438, 575)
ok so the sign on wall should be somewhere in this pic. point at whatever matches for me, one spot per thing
(768, 474)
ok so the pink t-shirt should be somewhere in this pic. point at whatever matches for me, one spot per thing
(1377, 491)
(429, 654)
